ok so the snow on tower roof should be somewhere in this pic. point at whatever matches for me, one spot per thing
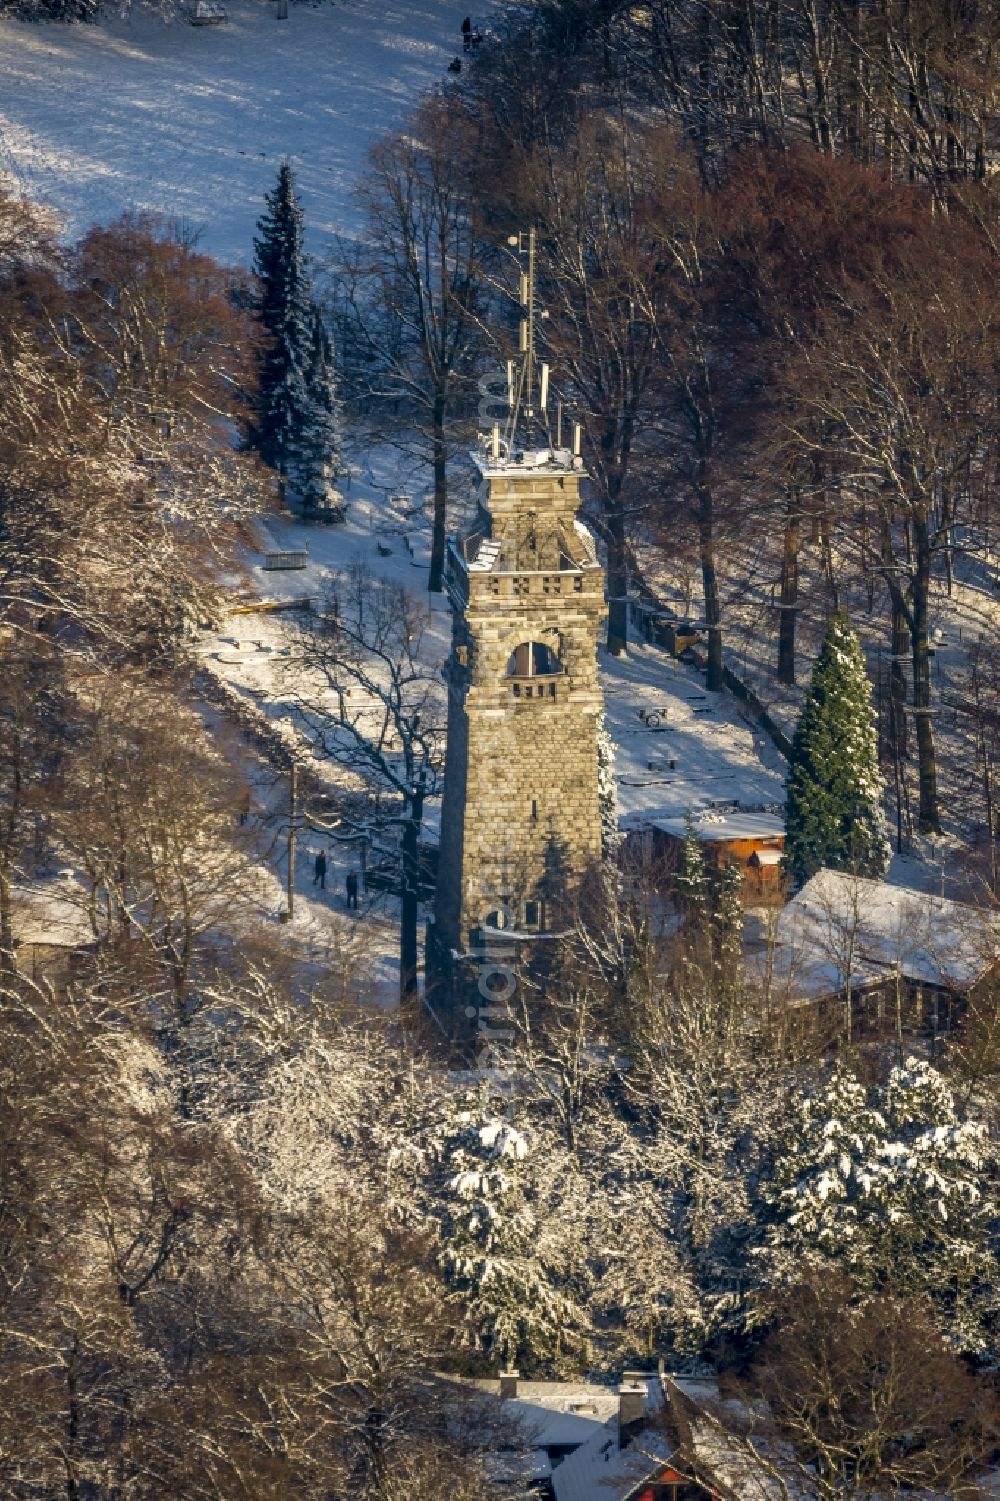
(525, 461)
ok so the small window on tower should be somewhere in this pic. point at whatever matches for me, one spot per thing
(533, 915)
(534, 809)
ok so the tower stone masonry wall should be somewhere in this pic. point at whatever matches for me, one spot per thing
(521, 803)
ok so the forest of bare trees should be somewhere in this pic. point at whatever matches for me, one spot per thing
(251, 1229)
(767, 251)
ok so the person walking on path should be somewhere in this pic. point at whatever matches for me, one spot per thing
(319, 871)
(352, 891)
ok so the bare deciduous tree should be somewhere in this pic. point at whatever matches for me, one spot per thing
(870, 1399)
(368, 701)
(413, 296)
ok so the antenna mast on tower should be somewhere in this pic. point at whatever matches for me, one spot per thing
(521, 382)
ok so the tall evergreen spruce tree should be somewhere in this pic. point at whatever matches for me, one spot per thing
(834, 814)
(318, 460)
(297, 414)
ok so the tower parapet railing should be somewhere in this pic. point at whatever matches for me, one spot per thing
(538, 688)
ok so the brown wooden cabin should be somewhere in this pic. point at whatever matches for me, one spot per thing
(754, 842)
(670, 1486)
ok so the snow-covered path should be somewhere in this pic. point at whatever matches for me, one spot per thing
(193, 122)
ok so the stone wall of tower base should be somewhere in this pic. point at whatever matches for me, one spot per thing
(532, 812)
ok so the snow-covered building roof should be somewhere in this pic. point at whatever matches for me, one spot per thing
(601, 1471)
(51, 914)
(559, 1413)
(720, 827)
(605, 1469)
(841, 926)
(679, 1430)
(685, 1438)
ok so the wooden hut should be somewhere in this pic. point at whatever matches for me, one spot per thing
(752, 841)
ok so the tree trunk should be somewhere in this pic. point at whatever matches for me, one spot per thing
(72, 1425)
(6, 926)
(617, 580)
(440, 522)
(616, 448)
(789, 591)
(12, 817)
(409, 915)
(928, 817)
(709, 577)
(897, 681)
(826, 550)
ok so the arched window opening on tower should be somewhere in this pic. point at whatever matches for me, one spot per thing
(533, 659)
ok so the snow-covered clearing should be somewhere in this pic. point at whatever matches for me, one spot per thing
(193, 122)
(716, 754)
(702, 750)
(326, 941)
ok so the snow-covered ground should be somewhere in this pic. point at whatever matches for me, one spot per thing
(193, 122)
(703, 749)
(964, 622)
(327, 942)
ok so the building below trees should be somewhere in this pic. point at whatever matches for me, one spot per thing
(896, 957)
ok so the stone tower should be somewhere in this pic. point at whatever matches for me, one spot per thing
(521, 810)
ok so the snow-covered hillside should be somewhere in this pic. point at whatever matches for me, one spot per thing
(192, 122)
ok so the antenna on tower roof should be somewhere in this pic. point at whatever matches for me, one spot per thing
(521, 385)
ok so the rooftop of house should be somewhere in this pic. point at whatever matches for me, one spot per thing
(720, 826)
(603, 1467)
(841, 924)
(558, 1413)
(682, 1426)
(51, 914)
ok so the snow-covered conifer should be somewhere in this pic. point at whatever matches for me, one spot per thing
(285, 311)
(296, 429)
(835, 815)
(728, 920)
(692, 881)
(937, 1203)
(318, 461)
(496, 1249)
(823, 1175)
(893, 1187)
